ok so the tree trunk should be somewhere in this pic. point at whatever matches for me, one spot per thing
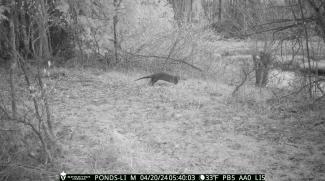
(307, 48)
(13, 62)
(44, 53)
(220, 10)
(189, 10)
(320, 17)
(245, 14)
(261, 65)
(115, 21)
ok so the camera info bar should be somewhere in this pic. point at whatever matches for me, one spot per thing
(162, 177)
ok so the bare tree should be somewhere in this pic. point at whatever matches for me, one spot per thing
(13, 59)
(220, 10)
(182, 11)
(115, 21)
(262, 64)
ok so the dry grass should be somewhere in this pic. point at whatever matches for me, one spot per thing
(111, 124)
(108, 123)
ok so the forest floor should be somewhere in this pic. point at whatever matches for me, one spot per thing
(108, 123)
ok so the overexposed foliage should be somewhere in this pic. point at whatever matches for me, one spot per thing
(63, 6)
(281, 79)
(2, 10)
(146, 19)
(138, 21)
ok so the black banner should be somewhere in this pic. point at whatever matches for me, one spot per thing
(161, 177)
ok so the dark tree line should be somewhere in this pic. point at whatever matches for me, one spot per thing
(30, 22)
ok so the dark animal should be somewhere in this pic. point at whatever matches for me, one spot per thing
(161, 76)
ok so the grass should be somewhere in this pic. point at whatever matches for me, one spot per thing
(111, 124)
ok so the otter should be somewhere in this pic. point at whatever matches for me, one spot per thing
(161, 76)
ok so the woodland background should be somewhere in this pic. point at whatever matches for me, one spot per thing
(250, 69)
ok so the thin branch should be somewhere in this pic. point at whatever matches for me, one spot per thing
(162, 57)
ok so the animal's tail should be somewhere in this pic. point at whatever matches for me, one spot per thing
(146, 77)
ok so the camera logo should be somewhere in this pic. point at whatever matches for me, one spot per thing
(63, 175)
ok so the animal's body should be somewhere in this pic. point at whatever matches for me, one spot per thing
(161, 76)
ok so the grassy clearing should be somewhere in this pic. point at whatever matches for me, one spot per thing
(109, 123)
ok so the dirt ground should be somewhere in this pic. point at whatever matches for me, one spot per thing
(108, 123)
